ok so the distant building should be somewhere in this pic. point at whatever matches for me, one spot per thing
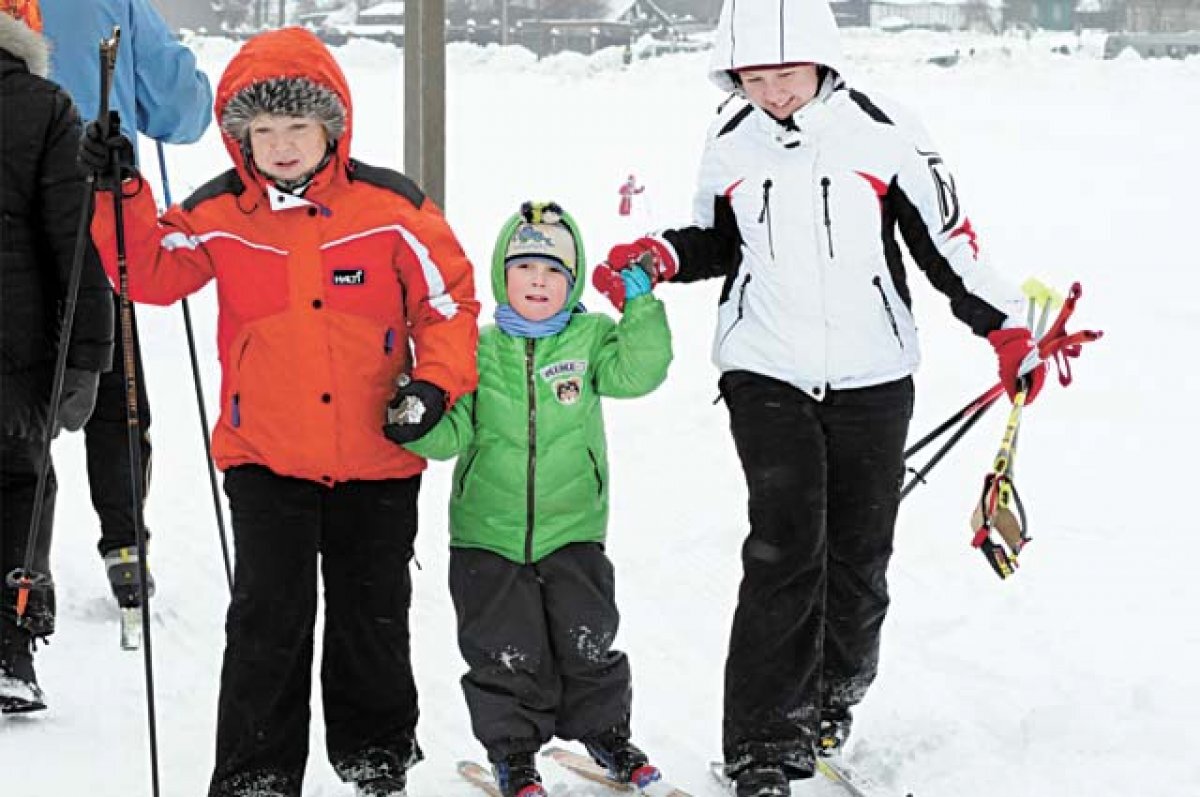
(984, 15)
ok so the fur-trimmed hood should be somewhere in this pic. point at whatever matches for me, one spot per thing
(26, 44)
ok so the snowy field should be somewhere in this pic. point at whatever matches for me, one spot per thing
(1080, 675)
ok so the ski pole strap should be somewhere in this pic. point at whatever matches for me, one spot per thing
(995, 514)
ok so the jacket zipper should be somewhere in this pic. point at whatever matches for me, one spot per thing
(741, 310)
(596, 471)
(825, 181)
(887, 306)
(765, 215)
(389, 342)
(531, 470)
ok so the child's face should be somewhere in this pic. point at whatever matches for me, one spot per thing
(536, 290)
(286, 147)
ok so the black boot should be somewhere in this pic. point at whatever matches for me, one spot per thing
(517, 776)
(623, 760)
(762, 781)
(19, 691)
(835, 729)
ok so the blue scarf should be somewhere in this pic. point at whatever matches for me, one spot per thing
(517, 325)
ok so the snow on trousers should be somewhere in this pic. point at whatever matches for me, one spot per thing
(20, 460)
(107, 440)
(361, 534)
(823, 480)
(538, 641)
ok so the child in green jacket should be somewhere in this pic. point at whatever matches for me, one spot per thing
(531, 584)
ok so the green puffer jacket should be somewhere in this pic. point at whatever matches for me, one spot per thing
(532, 472)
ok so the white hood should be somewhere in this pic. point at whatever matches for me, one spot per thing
(769, 32)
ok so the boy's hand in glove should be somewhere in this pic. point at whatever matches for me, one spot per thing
(619, 285)
(110, 157)
(77, 401)
(1019, 361)
(652, 254)
(416, 408)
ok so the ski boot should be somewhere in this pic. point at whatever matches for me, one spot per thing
(122, 567)
(381, 787)
(832, 735)
(759, 780)
(517, 776)
(623, 760)
(19, 690)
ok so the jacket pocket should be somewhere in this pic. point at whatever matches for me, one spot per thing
(877, 281)
(235, 401)
(596, 472)
(462, 479)
(741, 311)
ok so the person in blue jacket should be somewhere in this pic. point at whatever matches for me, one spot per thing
(158, 87)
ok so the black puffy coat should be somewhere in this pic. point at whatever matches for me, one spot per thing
(42, 194)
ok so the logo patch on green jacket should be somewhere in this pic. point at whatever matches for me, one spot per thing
(558, 370)
(568, 390)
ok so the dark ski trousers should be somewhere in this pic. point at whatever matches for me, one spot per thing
(823, 479)
(20, 461)
(361, 535)
(106, 437)
(538, 640)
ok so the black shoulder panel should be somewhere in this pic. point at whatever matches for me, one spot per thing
(736, 120)
(869, 108)
(227, 183)
(389, 179)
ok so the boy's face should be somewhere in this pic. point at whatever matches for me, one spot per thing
(536, 289)
(286, 147)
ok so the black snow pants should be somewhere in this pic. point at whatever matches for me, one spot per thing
(361, 535)
(823, 479)
(20, 460)
(106, 437)
(538, 640)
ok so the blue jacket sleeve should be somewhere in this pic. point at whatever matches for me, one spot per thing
(174, 98)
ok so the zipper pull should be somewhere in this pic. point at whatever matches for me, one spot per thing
(762, 215)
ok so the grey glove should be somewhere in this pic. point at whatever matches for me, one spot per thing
(77, 401)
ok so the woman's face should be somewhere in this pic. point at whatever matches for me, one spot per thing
(780, 90)
(536, 289)
(286, 147)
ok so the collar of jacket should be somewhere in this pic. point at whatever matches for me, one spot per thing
(802, 129)
(282, 200)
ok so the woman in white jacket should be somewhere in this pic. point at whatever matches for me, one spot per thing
(804, 185)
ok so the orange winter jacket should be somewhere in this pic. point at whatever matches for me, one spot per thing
(323, 298)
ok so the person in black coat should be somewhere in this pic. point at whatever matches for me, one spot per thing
(42, 195)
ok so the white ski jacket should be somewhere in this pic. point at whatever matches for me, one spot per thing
(801, 219)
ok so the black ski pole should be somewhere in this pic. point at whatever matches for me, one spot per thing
(108, 61)
(918, 476)
(191, 338)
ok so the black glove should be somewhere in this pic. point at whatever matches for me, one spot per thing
(414, 410)
(77, 401)
(110, 158)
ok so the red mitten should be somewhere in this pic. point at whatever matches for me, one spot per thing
(607, 280)
(1019, 362)
(653, 255)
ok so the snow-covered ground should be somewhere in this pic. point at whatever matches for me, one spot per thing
(1080, 675)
